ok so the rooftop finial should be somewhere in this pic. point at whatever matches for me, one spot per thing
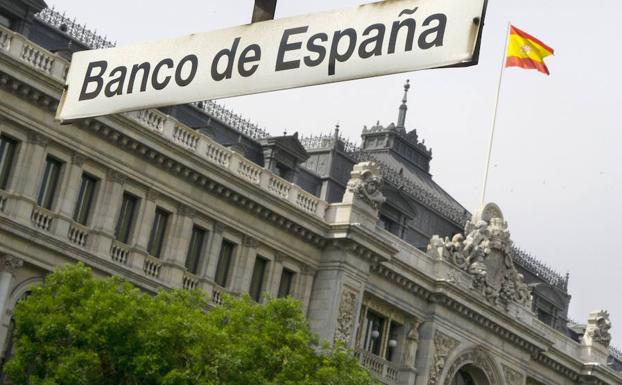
(336, 132)
(401, 119)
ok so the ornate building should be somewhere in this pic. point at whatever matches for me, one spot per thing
(190, 196)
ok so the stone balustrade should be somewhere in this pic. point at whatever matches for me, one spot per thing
(379, 367)
(42, 218)
(78, 234)
(152, 266)
(189, 281)
(119, 253)
(34, 56)
(3, 199)
(19, 47)
(223, 157)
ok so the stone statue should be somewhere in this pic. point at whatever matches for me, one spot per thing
(412, 341)
(597, 329)
(365, 184)
(485, 254)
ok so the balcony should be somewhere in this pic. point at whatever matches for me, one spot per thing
(385, 371)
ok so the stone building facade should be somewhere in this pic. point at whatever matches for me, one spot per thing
(194, 196)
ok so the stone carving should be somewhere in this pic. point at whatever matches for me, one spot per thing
(152, 195)
(512, 377)
(345, 319)
(443, 346)
(597, 329)
(412, 342)
(219, 227)
(78, 159)
(477, 357)
(485, 253)
(186, 211)
(37, 139)
(365, 184)
(115, 176)
(250, 242)
(10, 263)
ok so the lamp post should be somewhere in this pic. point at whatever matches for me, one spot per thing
(263, 10)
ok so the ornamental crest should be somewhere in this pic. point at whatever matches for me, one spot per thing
(484, 253)
(597, 329)
(365, 184)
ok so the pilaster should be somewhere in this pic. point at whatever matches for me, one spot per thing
(30, 168)
(214, 251)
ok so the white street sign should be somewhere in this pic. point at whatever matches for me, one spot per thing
(369, 40)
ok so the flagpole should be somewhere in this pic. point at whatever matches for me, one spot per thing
(494, 116)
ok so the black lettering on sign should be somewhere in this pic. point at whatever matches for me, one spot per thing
(316, 48)
(155, 83)
(230, 56)
(410, 25)
(116, 83)
(376, 50)
(194, 63)
(439, 30)
(246, 59)
(90, 78)
(284, 46)
(335, 55)
(145, 67)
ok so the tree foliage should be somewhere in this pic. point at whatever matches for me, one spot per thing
(77, 330)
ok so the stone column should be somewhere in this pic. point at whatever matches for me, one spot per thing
(107, 211)
(68, 195)
(243, 267)
(29, 167)
(176, 248)
(303, 285)
(209, 268)
(8, 265)
(143, 227)
(337, 293)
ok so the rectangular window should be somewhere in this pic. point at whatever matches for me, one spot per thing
(156, 240)
(127, 214)
(7, 158)
(49, 184)
(285, 286)
(85, 199)
(195, 250)
(224, 263)
(374, 325)
(5, 21)
(259, 272)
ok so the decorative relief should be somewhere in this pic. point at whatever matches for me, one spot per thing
(485, 254)
(512, 377)
(78, 159)
(219, 227)
(152, 195)
(597, 329)
(365, 184)
(477, 357)
(10, 263)
(412, 343)
(443, 346)
(37, 139)
(249, 242)
(345, 319)
(186, 211)
(115, 176)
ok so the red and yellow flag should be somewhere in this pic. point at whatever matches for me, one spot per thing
(525, 51)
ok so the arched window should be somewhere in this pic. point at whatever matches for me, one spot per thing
(462, 378)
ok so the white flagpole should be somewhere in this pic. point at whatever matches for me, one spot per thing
(494, 116)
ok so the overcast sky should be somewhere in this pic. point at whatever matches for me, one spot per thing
(557, 161)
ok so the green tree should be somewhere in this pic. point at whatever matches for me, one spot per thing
(77, 330)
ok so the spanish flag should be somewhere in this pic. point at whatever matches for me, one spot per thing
(525, 51)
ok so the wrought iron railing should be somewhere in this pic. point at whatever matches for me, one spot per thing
(539, 269)
(322, 141)
(233, 120)
(73, 29)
